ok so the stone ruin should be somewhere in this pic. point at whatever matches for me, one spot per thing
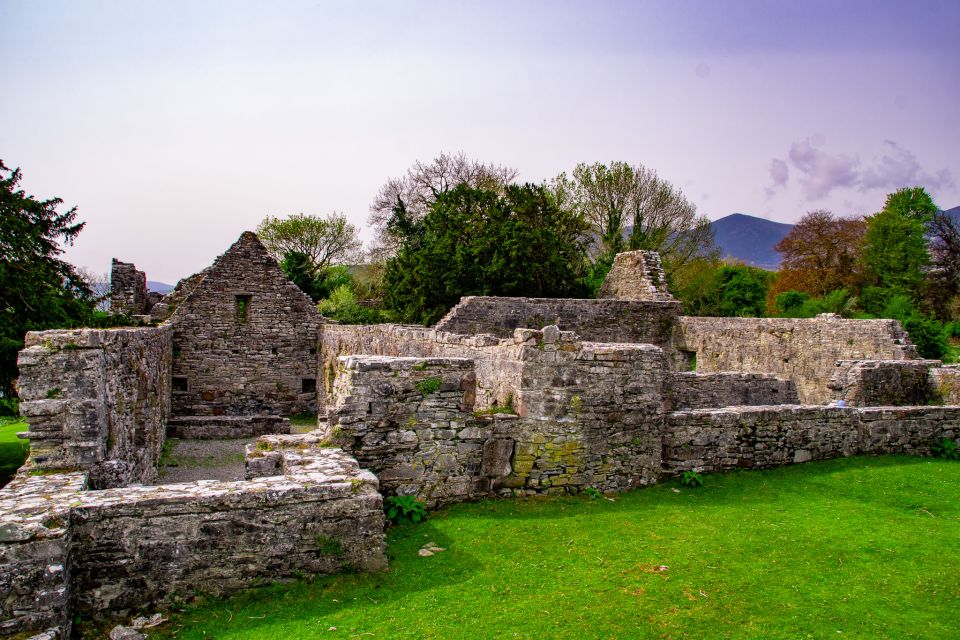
(503, 397)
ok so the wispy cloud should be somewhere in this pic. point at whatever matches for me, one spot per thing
(821, 172)
(898, 167)
(779, 175)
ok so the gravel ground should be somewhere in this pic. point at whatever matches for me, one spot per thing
(191, 460)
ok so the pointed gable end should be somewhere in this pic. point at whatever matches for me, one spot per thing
(245, 339)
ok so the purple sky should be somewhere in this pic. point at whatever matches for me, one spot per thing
(174, 126)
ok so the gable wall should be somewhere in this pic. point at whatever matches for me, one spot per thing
(249, 362)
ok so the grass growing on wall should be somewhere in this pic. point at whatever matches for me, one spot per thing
(849, 548)
(13, 450)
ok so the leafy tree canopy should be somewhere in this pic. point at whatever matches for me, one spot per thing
(820, 254)
(481, 242)
(322, 240)
(38, 290)
(619, 197)
(422, 185)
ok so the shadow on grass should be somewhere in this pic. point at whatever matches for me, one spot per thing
(308, 602)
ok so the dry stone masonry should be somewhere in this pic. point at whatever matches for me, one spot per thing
(804, 350)
(97, 400)
(246, 340)
(504, 397)
(636, 275)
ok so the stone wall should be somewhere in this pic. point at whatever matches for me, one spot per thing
(606, 320)
(206, 427)
(636, 275)
(246, 339)
(496, 364)
(35, 543)
(587, 415)
(65, 551)
(97, 400)
(804, 350)
(692, 390)
(945, 382)
(757, 437)
(874, 383)
(128, 289)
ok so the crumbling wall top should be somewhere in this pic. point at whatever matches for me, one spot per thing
(636, 275)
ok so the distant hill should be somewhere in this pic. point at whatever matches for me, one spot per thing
(750, 239)
(159, 287)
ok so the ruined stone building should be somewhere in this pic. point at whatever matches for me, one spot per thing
(503, 397)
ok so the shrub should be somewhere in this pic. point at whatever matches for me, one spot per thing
(402, 509)
(691, 478)
(429, 385)
(947, 449)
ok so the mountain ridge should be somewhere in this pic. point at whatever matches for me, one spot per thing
(751, 239)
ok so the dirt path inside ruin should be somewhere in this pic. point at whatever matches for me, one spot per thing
(190, 460)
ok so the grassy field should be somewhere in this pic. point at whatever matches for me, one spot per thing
(851, 548)
(13, 450)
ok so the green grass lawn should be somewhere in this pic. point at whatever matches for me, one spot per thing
(13, 450)
(850, 548)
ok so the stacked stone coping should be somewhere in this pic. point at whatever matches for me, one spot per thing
(875, 383)
(246, 339)
(693, 390)
(97, 400)
(587, 414)
(636, 275)
(759, 437)
(804, 350)
(67, 551)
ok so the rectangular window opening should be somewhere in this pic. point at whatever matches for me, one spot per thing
(308, 385)
(180, 383)
(242, 308)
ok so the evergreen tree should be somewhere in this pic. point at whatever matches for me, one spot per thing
(38, 290)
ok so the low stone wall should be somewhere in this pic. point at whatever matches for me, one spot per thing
(97, 400)
(496, 364)
(204, 427)
(692, 390)
(877, 383)
(804, 350)
(587, 415)
(65, 551)
(756, 437)
(35, 543)
(602, 320)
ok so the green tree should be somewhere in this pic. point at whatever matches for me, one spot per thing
(479, 242)
(323, 240)
(630, 207)
(911, 202)
(895, 250)
(718, 289)
(419, 189)
(742, 290)
(38, 290)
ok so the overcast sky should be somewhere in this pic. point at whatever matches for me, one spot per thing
(174, 126)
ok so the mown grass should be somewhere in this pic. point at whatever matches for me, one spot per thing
(13, 450)
(851, 548)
